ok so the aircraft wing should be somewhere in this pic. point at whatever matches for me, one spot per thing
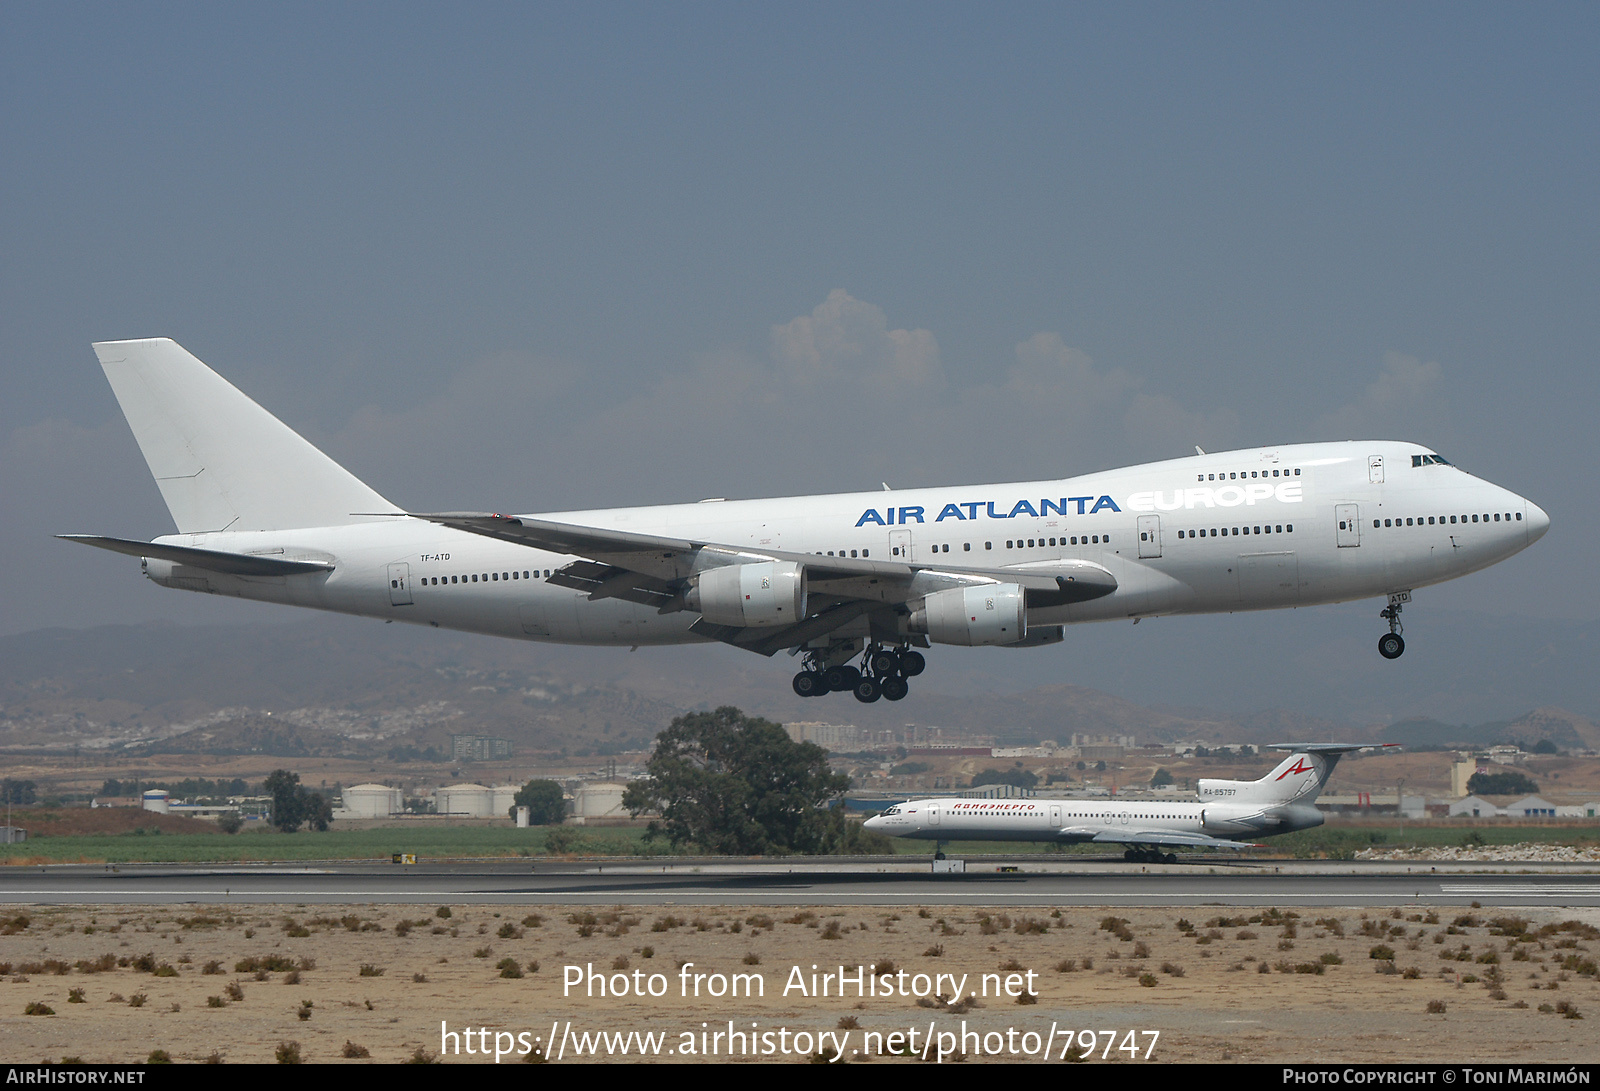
(1101, 835)
(654, 569)
(212, 560)
(647, 554)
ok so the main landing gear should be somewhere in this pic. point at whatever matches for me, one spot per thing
(1149, 856)
(1392, 645)
(883, 673)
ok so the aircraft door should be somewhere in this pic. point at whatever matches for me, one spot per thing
(1149, 535)
(933, 816)
(399, 585)
(1375, 469)
(900, 545)
(1349, 519)
(1055, 815)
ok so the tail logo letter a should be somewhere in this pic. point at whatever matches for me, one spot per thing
(1300, 766)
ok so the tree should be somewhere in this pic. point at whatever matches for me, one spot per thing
(316, 809)
(846, 837)
(1161, 779)
(1017, 778)
(546, 804)
(293, 805)
(18, 791)
(1499, 784)
(284, 788)
(735, 784)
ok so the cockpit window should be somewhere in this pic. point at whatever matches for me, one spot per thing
(1429, 460)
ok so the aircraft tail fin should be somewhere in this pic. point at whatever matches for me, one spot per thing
(220, 460)
(1296, 779)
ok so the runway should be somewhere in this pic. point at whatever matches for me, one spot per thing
(766, 883)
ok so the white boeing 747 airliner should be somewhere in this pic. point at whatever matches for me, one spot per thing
(1280, 802)
(262, 514)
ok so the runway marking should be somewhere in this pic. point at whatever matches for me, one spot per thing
(813, 895)
(1540, 891)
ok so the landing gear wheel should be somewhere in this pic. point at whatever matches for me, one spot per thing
(867, 690)
(894, 687)
(1391, 645)
(1131, 856)
(841, 678)
(912, 664)
(1171, 858)
(884, 663)
(938, 853)
(809, 684)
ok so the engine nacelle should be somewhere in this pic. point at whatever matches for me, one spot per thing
(991, 613)
(1234, 819)
(750, 595)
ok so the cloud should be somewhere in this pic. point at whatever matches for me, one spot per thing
(1062, 414)
(838, 400)
(844, 340)
(1406, 401)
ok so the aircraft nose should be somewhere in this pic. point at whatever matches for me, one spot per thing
(1538, 522)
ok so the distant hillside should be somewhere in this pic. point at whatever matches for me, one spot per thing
(338, 686)
(1565, 729)
(357, 688)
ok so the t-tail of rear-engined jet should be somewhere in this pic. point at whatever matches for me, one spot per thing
(856, 584)
(1280, 802)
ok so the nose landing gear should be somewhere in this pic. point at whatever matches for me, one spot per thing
(1392, 645)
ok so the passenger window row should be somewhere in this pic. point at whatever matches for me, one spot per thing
(483, 577)
(1080, 539)
(1227, 532)
(1245, 476)
(851, 553)
(1021, 543)
(1440, 520)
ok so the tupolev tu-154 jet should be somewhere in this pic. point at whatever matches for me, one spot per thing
(1280, 802)
(853, 583)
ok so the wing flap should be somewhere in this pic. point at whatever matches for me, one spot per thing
(1166, 837)
(609, 581)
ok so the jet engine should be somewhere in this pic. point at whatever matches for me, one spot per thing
(750, 595)
(990, 613)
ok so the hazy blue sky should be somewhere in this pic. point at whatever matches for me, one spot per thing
(531, 257)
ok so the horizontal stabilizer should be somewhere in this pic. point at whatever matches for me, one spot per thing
(212, 560)
(1330, 747)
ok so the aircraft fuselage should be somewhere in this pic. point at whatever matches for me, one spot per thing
(1255, 529)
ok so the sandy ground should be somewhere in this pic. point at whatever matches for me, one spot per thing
(386, 989)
